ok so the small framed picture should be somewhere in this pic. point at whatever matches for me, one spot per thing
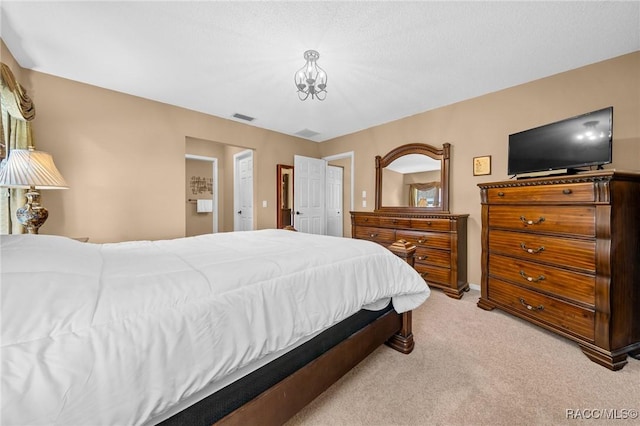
(482, 165)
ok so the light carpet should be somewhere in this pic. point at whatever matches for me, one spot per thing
(477, 367)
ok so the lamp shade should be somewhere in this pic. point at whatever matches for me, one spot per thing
(26, 168)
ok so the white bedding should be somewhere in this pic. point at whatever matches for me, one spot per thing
(120, 333)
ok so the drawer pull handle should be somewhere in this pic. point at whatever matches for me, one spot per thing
(500, 194)
(395, 221)
(531, 222)
(429, 223)
(523, 246)
(531, 279)
(566, 191)
(424, 274)
(529, 307)
(373, 235)
(422, 257)
(366, 219)
(422, 240)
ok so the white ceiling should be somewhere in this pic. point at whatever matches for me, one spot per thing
(384, 60)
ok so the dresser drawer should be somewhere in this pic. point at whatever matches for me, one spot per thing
(395, 222)
(431, 224)
(433, 256)
(576, 220)
(560, 193)
(379, 235)
(567, 252)
(434, 274)
(559, 314)
(441, 240)
(366, 220)
(575, 286)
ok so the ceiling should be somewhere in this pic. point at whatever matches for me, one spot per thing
(384, 60)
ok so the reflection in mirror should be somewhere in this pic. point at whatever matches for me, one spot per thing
(284, 195)
(414, 177)
(424, 194)
(412, 180)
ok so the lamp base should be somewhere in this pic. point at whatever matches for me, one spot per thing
(32, 215)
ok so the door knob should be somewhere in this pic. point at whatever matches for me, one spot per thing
(298, 213)
(240, 212)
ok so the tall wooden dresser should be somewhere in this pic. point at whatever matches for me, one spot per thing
(440, 240)
(564, 253)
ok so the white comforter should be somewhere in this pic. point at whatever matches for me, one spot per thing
(118, 333)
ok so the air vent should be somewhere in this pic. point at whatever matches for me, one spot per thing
(243, 117)
(306, 133)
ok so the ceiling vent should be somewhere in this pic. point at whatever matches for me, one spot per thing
(306, 133)
(243, 117)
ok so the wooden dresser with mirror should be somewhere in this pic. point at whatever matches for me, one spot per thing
(412, 204)
(564, 253)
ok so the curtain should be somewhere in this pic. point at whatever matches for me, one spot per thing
(15, 132)
(419, 192)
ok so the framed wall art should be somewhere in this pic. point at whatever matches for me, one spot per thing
(482, 165)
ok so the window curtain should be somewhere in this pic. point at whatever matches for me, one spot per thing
(17, 112)
(416, 188)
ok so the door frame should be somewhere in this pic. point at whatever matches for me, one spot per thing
(214, 172)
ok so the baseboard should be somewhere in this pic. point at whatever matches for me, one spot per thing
(474, 287)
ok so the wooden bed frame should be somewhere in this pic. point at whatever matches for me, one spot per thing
(282, 401)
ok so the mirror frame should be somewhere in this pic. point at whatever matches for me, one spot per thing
(442, 154)
(279, 168)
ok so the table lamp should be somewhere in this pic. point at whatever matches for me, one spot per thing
(31, 170)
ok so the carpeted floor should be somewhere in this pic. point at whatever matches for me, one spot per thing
(474, 367)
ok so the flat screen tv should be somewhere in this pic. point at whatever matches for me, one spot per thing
(569, 144)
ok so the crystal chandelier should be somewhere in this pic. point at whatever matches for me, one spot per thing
(311, 80)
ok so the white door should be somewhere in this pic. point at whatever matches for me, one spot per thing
(309, 195)
(243, 191)
(334, 201)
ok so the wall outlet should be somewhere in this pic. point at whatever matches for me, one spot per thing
(364, 194)
(264, 203)
(364, 203)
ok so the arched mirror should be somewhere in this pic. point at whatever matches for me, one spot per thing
(413, 177)
(284, 195)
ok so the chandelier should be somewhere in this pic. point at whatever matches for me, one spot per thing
(311, 80)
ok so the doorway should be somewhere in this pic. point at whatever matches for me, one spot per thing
(201, 211)
(346, 161)
(321, 190)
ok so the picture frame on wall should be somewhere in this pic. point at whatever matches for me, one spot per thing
(482, 165)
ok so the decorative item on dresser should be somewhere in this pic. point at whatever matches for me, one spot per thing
(564, 253)
(412, 204)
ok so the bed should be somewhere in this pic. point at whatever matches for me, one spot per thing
(175, 331)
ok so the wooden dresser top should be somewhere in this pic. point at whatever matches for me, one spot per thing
(591, 176)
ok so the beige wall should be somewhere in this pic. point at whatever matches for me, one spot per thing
(481, 126)
(123, 156)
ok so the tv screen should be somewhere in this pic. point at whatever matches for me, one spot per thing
(580, 141)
